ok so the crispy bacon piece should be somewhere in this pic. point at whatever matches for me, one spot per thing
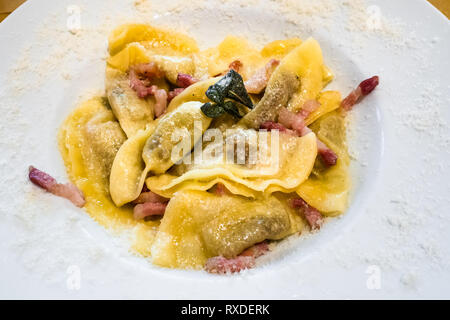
(147, 209)
(296, 121)
(172, 94)
(351, 99)
(328, 156)
(140, 76)
(289, 119)
(363, 89)
(48, 183)
(270, 125)
(312, 215)
(286, 118)
(149, 196)
(220, 189)
(138, 85)
(161, 100)
(236, 65)
(309, 107)
(222, 265)
(149, 204)
(148, 70)
(185, 80)
(257, 250)
(258, 81)
(246, 260)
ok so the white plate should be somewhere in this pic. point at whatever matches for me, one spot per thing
(392, 243)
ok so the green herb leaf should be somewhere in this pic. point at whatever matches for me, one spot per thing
(236, 90)
(212, 110)
(230, 86)
(215, 93)
(231, 108)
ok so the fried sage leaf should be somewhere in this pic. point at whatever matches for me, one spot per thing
(230, 86)
(227, 93)
(231, 108)
(212, 110)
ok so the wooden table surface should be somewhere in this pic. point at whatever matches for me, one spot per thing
(8, 6)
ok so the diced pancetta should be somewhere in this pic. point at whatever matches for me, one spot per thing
(309, 107)
(48, 183)
(236, 65)
(363, 89)
(173, 93)
(270, 125)
(138, 85)
(140, 76)
(147, 209)
(296, 121)
(149, 196)
(161, 100)
(185, 80)
(148, 71)
(329, 157)
(246, 260)
(288, 119)
(220, 189)
(312, 215)
(258, 81)
(257, 250)
(222, 265)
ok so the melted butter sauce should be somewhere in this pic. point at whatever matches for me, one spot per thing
(85, 171)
